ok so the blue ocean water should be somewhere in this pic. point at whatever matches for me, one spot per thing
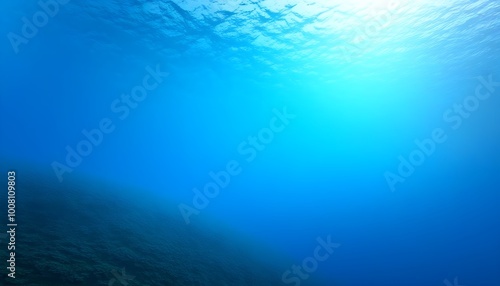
(369, 126)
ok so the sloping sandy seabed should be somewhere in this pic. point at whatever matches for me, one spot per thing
(96, 234)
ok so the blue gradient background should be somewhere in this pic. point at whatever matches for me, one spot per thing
(229, 66)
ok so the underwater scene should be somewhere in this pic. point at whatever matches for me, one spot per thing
(250, 143)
